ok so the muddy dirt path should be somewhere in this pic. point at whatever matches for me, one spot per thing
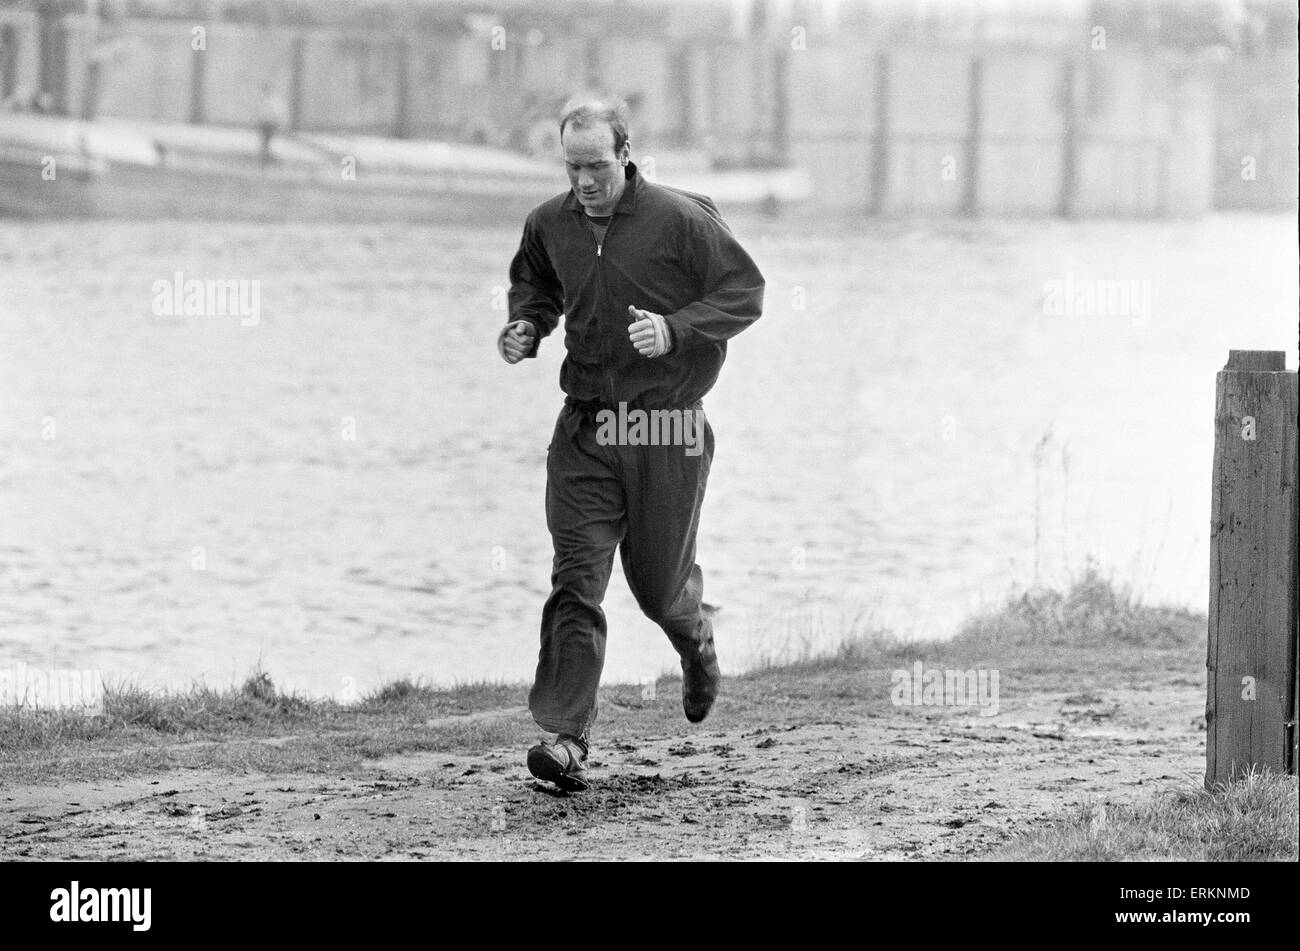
(901, 783)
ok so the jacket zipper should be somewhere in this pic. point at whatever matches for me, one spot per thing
(604, 294)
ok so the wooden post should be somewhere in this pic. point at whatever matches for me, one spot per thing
(297, 81)
(199, 83)
(10, 50)
(1071, 139)
(685, 92)
(402, 108)
(880, 154)
(1250, 709)
(52, 40)
(781, 104)
(970, 197)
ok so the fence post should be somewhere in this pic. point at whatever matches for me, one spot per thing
(401, 47)
(1071, 135)
(970, 193)
(880, 145)
(198, 113)
(1250, 709)
(297, 81)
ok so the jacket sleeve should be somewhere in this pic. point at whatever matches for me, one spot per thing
(731, 286)
(535, 292)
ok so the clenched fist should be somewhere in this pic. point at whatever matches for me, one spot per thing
(649, 332)
(516, 341)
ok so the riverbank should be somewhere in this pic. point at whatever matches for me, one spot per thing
(332, 569)
(1091, 705)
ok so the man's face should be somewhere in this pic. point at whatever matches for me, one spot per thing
(595, 171)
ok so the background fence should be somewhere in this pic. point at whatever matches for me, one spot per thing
(892, 108)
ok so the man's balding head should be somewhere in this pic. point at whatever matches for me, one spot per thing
(585, 112)
(593, 133)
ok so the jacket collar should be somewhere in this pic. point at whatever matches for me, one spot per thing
(626, 203)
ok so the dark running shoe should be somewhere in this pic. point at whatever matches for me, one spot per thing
(561, 761)
(700, 680)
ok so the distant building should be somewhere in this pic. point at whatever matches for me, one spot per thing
(897, 106)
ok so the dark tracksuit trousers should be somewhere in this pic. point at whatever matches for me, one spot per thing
(643, 500)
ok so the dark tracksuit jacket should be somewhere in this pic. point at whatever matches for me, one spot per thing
(670, 252)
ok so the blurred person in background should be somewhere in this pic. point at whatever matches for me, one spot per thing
(272, 116)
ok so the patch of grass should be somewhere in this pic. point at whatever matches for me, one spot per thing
(869, 649)
(1094, 612)
(201, 709)
(255, 708)
(419, 698)
(398, 693)
(258, 702)
(1255, 818)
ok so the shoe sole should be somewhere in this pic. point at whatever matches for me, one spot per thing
(698, 716)
(542, 765)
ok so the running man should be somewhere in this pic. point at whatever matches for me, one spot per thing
(652, 285)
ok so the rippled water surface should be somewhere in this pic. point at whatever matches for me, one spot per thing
(904, 436)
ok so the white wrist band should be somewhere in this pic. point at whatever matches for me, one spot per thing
(663, 336)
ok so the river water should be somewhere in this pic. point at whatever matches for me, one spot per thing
(349, 489)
